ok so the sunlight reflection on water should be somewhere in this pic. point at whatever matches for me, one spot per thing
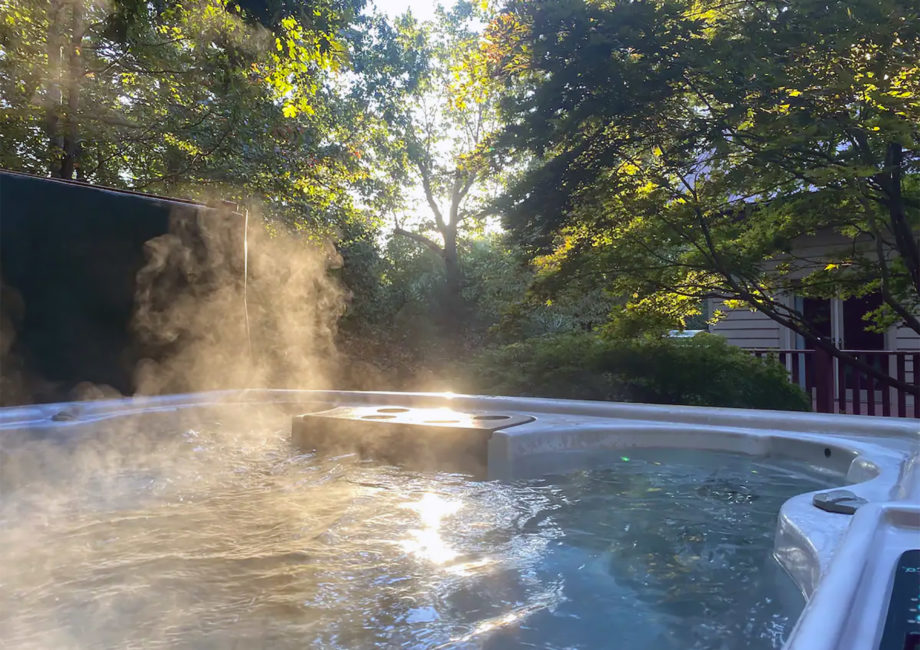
(427, 542)
(220, 534)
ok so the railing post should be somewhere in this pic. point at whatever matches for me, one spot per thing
(824, 381)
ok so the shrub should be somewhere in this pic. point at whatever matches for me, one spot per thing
(703, 371)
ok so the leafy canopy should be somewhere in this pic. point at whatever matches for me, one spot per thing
(690, 147)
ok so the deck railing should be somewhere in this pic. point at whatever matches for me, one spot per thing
(839, 386)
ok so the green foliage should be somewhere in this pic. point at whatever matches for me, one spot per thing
(653, 155)
(699, 371)
(395, 315)
(688, 147)
(205, 99)
(397, 307)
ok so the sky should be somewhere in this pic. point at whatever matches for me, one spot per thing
(421, 9)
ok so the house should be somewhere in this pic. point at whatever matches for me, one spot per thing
(896, 351)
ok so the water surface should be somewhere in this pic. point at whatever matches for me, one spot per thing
(216, 534)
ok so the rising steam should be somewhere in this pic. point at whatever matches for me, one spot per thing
(208, 318)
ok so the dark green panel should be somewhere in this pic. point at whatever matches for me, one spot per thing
(71, 252)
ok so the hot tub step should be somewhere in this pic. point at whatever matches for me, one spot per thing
(421, 438)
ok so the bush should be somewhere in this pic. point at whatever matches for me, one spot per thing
(702, 371)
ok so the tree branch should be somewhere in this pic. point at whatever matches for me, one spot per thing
(419, 239)
(425, 173)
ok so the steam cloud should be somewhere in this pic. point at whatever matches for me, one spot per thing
(207, 322)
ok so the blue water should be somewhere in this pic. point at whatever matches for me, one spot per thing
(667, 549)
(220, 535)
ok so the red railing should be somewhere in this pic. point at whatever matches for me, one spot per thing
(839, 386)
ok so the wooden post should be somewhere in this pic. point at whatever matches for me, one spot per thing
(824, 381)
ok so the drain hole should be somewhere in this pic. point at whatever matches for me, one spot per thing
(827, 452)
(393, 409)
(442, 421)
(491, 417)
(377, 417)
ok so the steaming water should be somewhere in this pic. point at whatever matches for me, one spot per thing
(218, 535)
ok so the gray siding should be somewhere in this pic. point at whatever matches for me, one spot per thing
(905, 339)
(747, 329)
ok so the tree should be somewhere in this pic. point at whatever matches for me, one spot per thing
(443, 130)
(202, 97)
(687, 146)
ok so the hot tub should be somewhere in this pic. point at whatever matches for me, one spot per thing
(193, 521)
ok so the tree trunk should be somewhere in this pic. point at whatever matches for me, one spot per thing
(453, 301)
(903, 234)
(53, 95)
(71, 141)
